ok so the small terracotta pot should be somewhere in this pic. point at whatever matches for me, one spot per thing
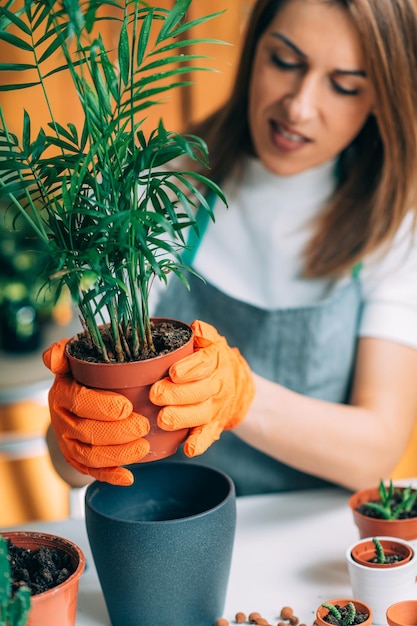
(364, 551)
(402, 613)
(361, 607)
(379, 586)
(59, 604)
(134, 380)
(373, 527)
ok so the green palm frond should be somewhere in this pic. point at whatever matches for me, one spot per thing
(110, 202)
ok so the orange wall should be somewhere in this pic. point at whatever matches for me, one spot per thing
(183, 105)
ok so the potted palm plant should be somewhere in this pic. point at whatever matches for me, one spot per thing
(110, 202)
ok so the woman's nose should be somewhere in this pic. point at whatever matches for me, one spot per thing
(302, 102)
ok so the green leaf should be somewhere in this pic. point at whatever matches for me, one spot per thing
(17, 86)
(5, 573)
(174, 17)
(15, 41)
(124, 53)
(144, 37)
(26, 131)
(16, 67)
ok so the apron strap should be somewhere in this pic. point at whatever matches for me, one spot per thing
(196, 232)
(356, 270)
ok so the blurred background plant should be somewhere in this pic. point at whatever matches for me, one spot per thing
(27, 303)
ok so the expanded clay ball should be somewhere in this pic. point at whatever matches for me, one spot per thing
(222, 621)
(253, 617)
(240, 618)
(293, 620)
(261, 621)
(286, 613)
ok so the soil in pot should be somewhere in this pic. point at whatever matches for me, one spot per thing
(395, 552)
(359, 618)
(166, 336)
(364, 509)
(40, 570)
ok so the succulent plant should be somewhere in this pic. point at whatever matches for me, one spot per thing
(14, 607)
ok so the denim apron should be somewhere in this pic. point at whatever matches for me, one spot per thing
(310, 350)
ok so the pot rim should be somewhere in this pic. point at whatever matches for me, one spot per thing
(57, 542)
(361, 496)
(392, 539)
(359, 604)
(397, 605)
(129, 363)
(95, 485)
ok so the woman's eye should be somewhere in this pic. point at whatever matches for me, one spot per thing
(343, 91)
(284, 65)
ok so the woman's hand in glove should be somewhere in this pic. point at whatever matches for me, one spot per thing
(96, 431)
(209, 391)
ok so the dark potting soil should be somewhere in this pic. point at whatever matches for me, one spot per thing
(389, 558)
(39, 570)
(166, 338)
(359, 617)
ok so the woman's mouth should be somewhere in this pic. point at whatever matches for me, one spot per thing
(285, 138)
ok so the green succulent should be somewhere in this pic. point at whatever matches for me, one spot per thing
(345, 620)
(14, 608)
(394, 501)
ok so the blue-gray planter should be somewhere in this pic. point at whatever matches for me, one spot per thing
(163, 546)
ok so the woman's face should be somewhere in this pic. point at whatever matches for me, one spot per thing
(309, 94)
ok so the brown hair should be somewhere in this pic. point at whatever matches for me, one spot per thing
(378, 171)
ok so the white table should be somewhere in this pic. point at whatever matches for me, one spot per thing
(289, 550)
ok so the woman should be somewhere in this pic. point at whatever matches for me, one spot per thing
(310, 272)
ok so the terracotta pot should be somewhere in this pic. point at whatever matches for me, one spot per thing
(361, 607)
(402, 613)
(381, 585)
(364, 551)
(134, 380)
(59, 604)
(373, 527)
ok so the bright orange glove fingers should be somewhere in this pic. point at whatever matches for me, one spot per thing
(96, 430)
(201, 438)
(55, 359)
(88, 403)
(165, 392)
(96, 433)
(173, 417)
(209, 391)
(199, 365)
(114, 475)
(101, 457)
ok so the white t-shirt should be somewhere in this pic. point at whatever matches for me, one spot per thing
(253, 252)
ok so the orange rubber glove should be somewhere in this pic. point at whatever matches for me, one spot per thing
(208, 391)
(96, 430)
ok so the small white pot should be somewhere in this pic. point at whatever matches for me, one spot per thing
(381, 587)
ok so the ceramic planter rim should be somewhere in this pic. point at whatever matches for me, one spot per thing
(55, 541)
(383, 567)
(231, 491)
